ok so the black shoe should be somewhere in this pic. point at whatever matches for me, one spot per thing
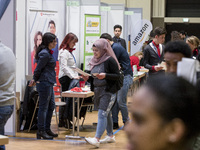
(49, 132)
(115, 125)
(44, 135)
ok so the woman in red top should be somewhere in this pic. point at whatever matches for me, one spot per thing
(135, 60)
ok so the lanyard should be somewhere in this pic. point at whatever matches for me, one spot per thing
(74, 58)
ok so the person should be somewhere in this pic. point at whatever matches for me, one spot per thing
(52, 29)
(68, 78)
(164, 115)
(153, 53)
(183, 35)
(173, 53)
(105, 64)
(124, 60)
(117, 33)
(135, 60)
(193, 42)
(175, 36)
(7, 86)
(44, 78)
(37, 42)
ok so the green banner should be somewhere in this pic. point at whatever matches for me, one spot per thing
(92, 32)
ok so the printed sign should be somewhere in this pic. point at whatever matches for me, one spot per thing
(139, 34)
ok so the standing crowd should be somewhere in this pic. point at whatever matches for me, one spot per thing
(164, 111)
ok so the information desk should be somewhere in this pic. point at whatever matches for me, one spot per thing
(3, 140)
(77, 95)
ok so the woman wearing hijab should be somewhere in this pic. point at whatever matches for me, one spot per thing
(68, 78)
(105, 67)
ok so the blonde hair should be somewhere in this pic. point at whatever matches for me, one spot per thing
(138, 54)
(193, 40)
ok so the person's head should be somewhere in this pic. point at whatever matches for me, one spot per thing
(117, 30)
(37, 39)
(106, 36)
(159, 35)
(139, 55)
(183, 34)
(69, 41)
(193, 42)
(175, 36)
(102, 51)
(52, 26)
(48, 42)
(174, 52)
(165, 115)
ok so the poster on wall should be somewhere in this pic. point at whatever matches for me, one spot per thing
(40, 22)
(140, 32)
(92, 33)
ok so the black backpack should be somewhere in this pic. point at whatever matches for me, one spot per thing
(120, 82)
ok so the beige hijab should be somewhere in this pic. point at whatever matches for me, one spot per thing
(106, 51)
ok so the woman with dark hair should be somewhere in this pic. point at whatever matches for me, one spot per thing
(165, 115)
(37, 42)
(68, 78)
(44, 78)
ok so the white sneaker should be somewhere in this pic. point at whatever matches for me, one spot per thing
(108, 139)
(93, 141)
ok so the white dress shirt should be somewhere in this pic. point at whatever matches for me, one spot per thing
(66, 61)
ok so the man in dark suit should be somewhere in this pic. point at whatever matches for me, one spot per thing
(116, 38)
(153, 52)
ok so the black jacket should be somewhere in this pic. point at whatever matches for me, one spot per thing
(151, 57)
(120, 40)
(45, 70)
(112, 74)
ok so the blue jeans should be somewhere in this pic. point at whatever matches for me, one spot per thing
(121, 100)
(105, 120)
(5, 113)
(46, 105)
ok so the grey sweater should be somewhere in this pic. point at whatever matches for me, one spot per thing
(7, 76)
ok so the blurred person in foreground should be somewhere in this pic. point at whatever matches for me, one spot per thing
(7, 86)
(165, 115)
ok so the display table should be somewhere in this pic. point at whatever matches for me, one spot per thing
(136, 81)
(77, 95)
(3, 140)
(140, 75)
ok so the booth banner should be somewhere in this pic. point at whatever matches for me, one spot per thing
(91, 34)
(38, 25)
(140, 32)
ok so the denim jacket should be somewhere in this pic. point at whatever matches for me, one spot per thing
(45, 70)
